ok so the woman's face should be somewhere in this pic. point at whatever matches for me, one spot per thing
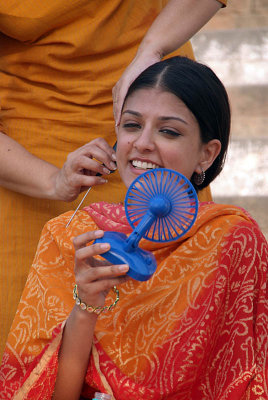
(157, 130)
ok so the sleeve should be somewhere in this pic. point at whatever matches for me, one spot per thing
(39, 380)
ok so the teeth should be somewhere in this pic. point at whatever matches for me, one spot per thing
(143, 164)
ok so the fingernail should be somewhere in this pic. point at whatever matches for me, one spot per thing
(103, 180)
(106, 171)
(104, 246)
(99, 233)
(123, 268)
(113, 165)
(114, 156)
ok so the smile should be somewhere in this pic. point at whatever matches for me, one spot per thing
(143, 164)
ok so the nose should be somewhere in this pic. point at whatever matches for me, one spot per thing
(145, 141)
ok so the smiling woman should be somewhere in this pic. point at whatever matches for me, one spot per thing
(158, 130)
(182, 333)
(170, 114)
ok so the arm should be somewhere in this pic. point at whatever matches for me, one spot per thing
(94, 279)
(74, 354)
(176, 24)
(25, 173)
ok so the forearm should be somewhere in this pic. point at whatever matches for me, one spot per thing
(74, 354)
(94, 279)
(22, 172)
(176, 24)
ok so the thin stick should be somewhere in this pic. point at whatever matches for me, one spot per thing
(77, 208)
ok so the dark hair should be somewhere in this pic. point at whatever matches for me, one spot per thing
(202, 92)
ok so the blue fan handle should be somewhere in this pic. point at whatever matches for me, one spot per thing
(132, 241)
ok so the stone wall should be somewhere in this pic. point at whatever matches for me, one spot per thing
(235, 45)
(241, 14)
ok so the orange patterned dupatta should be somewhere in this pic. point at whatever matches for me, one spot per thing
(197, 329)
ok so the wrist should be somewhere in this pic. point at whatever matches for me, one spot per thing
(148, 50)
(92, 309)
(82, 317)
(59, 188)
(52, 192)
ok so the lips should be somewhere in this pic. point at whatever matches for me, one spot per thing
(144, 164)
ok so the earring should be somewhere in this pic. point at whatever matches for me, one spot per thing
(199, 178)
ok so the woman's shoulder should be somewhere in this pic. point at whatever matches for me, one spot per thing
(231, 216)
(213, 210)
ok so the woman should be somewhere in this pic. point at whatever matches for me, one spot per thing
(58, 63)
(196, 329)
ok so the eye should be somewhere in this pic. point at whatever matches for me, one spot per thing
(169, 132)
(131, 125)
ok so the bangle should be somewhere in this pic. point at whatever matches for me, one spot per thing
(91, 309)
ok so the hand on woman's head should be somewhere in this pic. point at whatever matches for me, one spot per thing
(137, 66)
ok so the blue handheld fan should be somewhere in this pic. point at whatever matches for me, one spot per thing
(161, 205)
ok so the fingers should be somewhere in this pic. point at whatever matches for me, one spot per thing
(84, 168)
(103, 277)
(142, 60)
(85, 253)
(120, 89)
(82, 240)
(119, 93)
(91, 156)
(95, 278)
(84, 256)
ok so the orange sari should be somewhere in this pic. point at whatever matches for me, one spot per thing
(197, 329)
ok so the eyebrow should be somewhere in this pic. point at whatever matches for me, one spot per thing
(137, 114)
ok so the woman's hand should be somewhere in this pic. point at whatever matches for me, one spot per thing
(25, 173)
(95, 277)
(80, 170)
(142, 61)
(178, 21)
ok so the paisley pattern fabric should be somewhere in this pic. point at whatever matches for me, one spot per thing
(198, 329)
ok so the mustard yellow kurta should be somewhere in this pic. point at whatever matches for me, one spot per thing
(58, 63)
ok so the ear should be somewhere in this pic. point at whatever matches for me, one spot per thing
(210, 151)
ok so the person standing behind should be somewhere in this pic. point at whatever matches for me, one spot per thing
(58, 63)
